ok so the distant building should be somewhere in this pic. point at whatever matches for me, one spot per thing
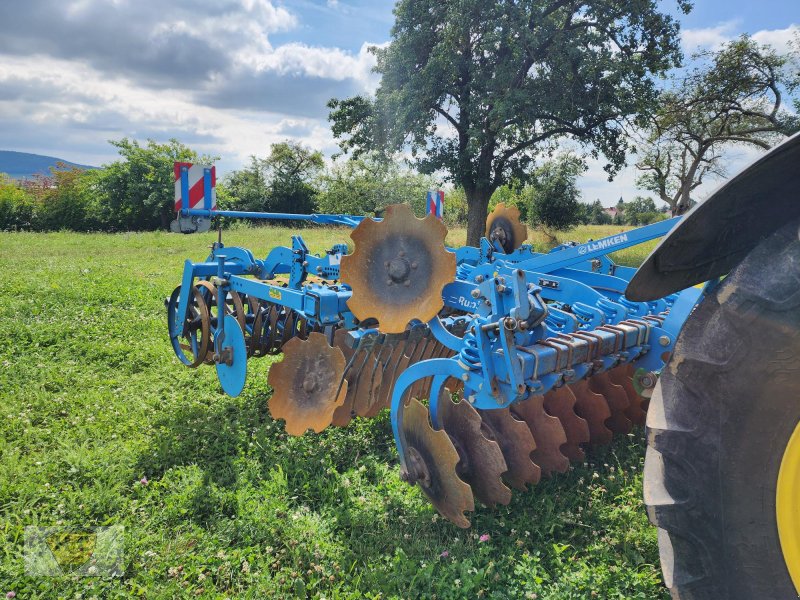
(612, 211)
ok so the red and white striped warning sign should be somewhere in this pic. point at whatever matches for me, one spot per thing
(195, 184)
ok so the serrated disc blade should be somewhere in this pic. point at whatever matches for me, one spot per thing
(307, 384)
(431, 460)
(398, 268)
(560, 403)
(482, 464)
(634, 412)
(617, 402)
(344, 413)
(548, 433)
(516, 442)
(503, 225)
(594, 409)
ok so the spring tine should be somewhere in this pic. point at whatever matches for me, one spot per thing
(367, 379)
(516, 442)
(634, 411)
(560, 402)
(617, 402)
(594, 409)
(389, 367)
(382, 354)
(344, 413)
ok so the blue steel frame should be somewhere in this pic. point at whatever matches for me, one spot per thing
(346, 220)
(538, 321)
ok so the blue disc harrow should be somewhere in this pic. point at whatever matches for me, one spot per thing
(499, 364)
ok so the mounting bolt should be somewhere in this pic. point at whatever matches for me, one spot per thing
(465, 377)
(664, 340)
(479, 279)
(476, 293)
(501, 288)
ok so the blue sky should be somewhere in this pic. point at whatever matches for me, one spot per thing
(230, 77)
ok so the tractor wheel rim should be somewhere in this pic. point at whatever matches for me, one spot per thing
(788, 506)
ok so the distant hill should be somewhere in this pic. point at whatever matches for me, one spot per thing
(22, 165)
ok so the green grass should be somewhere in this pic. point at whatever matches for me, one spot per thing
(93, 401)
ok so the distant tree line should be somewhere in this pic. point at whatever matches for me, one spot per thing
(135, 193)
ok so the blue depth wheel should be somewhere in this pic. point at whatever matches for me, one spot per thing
(232, 376)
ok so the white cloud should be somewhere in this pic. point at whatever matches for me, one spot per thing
(713, 37)
(779, 39)
(118, 107)
(708, 37)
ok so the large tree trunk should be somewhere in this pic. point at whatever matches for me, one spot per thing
(684, 203)
(477, 209)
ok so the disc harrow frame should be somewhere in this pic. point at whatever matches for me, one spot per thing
(543, 351)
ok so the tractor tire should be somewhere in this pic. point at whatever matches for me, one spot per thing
(718, 428)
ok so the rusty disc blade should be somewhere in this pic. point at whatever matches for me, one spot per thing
(503, 225)
(482, 464)
(560, 402)
(617, 402)
(431, 460)
(635, 412)
(233, 303)
(594, 409)
(516, 442)
(307, 384)
(344, 413)
(398, 268)
(195, 334)
(630, 371)
(548, 433)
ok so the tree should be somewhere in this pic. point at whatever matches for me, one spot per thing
(365, 185)
(598, 215)
(636, 209)
(292, 171)
(17, 207)
(555, 198)
(247, 187)
(138, 190)
(734, 98)
(70, 202)
(477, 89)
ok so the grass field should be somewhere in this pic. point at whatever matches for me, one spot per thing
(100, 425)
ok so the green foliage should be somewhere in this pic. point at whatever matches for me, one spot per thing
(456, 208)
(247, 188)
(642, 211)
(554, 195)
(477, 89)
(363, 186)
(285, 181)
(597, 214)
(17, 208)
(94, 400)
(139, 191)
